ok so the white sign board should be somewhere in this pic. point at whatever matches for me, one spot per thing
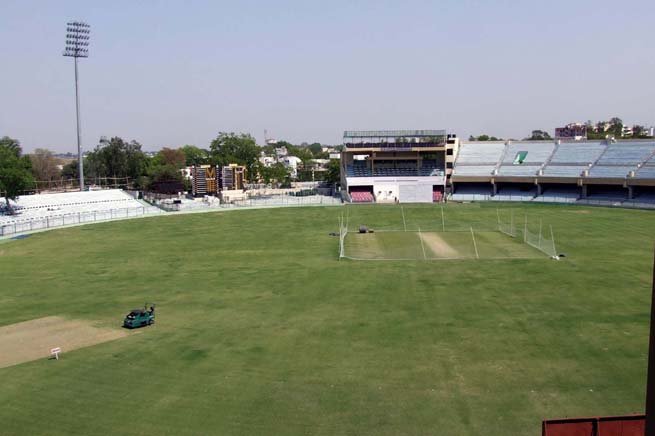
(55, 352)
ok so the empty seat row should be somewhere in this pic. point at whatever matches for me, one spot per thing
(361, 171)
(626, 154)
(526, 158)
(646, 172)
(612, 171)
(480, 153)
(473, 170)
(362, 197)
(578, 153)
(518, 170)
(528, 152)
(41, 206)
(564, 170)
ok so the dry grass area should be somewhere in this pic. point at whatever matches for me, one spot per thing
(438, 246)
(32, 340)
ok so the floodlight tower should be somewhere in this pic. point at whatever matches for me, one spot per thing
(77, 42)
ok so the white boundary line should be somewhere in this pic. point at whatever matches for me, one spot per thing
(477, 255)
(422, 246)
(438, 231)
(405, 259)
(402, 210)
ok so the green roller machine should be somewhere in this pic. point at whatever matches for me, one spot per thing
(140, 317)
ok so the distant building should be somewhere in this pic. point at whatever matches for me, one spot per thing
(575, 131)
(320, 163)
(281, 152)
(292, 163)
(267, 161)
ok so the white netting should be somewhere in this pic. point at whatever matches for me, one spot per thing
(541, 240)
(343, 231)
(428, 233)
(506, 223)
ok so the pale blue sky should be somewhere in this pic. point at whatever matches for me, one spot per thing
(169, 73)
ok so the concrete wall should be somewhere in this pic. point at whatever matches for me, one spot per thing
(386, 192)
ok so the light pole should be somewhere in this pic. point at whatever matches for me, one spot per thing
(77, 41)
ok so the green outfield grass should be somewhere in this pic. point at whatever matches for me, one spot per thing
(261, 329)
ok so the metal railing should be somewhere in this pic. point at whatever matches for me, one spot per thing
(253, 202)
(630, 204)
(69, 219)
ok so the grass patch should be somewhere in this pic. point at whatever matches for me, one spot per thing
(262, 330)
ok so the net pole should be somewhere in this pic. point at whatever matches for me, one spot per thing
(498, 217)
(402, 210)
(552, 238)
(347, 217)
(525, 230)
(511, 224)
(540, 223)
(443, 221)
(339, 220)
(343, 231)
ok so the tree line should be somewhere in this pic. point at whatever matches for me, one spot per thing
(125, 161)
(536, 135)
(595, 130)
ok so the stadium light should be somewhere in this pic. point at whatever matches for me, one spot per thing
(77, 43)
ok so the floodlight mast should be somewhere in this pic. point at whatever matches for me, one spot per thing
(77, 42)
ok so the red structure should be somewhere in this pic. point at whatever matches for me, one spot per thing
(628, 425)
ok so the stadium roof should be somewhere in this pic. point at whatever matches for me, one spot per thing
(392, 133)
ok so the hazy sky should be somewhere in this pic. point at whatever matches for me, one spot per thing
(170, 73)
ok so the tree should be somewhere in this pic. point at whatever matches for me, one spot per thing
(484, 138)
(316, 149)
(230, 148)
(11, 144)
(539, 135)
(615, 121)
(276, 173)
(302, 153)
(268, 150)
(15, 170)
(164, 173)
(333, 171)
(45, 167)
(116, 158)
(195, 155)
(639, 131)
(171, 157)
(69, 171)
(616, 127)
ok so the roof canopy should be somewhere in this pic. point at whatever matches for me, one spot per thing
(393, 133)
